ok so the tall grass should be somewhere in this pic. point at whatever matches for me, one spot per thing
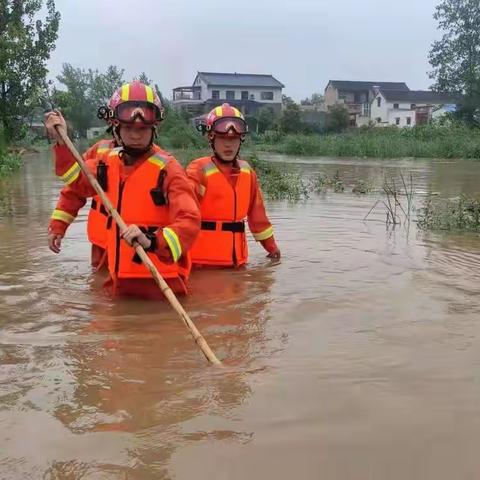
(428, 141)
(9, 161)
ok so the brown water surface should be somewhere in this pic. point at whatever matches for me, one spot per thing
(358, 357)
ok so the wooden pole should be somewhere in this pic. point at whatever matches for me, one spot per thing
(162, 284)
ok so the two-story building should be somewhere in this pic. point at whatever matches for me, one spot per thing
(357, 96)
(247, 92)
(409, 108)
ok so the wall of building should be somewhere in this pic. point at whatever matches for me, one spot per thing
(402, 115)
(331, 96)
(379, 111)
(255, 91)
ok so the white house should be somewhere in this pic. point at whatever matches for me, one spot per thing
(357, 97)
(248, 92)
(408, 108)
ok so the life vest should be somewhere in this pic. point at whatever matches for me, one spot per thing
(134, 201)
(222, 240)
(98, 216)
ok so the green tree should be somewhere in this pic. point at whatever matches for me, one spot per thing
(263, 120)
(286, 100)
(144, 79)
(456, 57)
(76, 102)
(290, 120)
(338, 118)
(102, 85)
(316, 99)
(26, 42)
(85, 91)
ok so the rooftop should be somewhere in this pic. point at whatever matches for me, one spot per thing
(355, 86)
(240, 79)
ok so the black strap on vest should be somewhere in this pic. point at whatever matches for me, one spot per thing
(103, 210)
(235, 227)
(102, 177)
(158, 197)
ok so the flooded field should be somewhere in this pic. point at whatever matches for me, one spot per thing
(358, 357)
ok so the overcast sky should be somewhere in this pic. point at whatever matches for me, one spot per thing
(303, 43)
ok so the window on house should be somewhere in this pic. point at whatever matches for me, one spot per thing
(230, 94)
(266, 96)
(413, 106)
(379, 101)
(244, 95)
(395, 106)
(409, 120)
(215, 94)
(397, 121)
(379, 120)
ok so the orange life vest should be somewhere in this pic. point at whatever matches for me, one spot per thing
(222, 240)
(98, 215)
(133, 200)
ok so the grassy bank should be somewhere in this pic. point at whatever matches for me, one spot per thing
(429, 141)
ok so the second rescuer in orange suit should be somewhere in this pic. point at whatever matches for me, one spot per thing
(229, 193)
(149, 189)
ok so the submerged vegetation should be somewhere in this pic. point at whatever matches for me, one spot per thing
(461, 213)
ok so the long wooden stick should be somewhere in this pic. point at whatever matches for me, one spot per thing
(162, 284)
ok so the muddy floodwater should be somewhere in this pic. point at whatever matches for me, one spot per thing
(358, 357)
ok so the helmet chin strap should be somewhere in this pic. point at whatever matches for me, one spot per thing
(132, 152)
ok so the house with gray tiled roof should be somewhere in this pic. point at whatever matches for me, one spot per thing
(357, 96)
(247, 92)
(409, 108)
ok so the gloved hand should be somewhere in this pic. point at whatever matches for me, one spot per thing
(271, 247)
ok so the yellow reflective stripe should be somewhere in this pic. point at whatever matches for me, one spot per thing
(219, 111)
(210, 169)
(63, 216)
(263, 235)
(244, 166)
(71, 174)
(103, 147)
(149, 94)
(115, 151)
(237, 112)
(172, 240)
(125, 92)
(157, 160)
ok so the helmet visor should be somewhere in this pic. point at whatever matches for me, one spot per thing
(131, 112)
(230, 124)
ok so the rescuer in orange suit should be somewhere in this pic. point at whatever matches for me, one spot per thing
(146, 185)
(228, 191)
(69, 203)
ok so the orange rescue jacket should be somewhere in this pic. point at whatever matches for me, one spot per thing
(223, 207)
(135, 202)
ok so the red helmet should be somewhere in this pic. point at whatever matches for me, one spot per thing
(226, 120)
(137, 104)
